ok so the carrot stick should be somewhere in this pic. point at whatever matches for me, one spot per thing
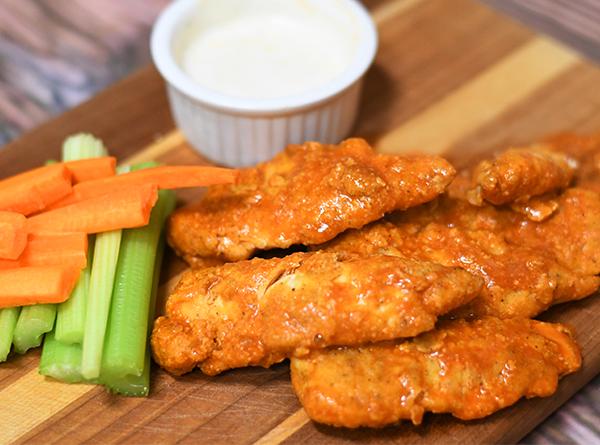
(13, 236)
(165, 177)
(126, 208)
(34, 190)
(34, 285)
(92, 168)
(61, 249)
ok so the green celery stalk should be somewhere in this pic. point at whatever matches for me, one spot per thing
(102, 279)
(106, 253)
(61, 361)
(139, 385)
(8, 321)
(70, 318)
(82, 146)
(125, 347)
(33, 323)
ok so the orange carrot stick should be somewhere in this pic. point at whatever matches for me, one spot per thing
(126, 208)
(166, 177)
(91, 169)
(34, 190)
(13, 236)
(60, 249)
(35, 285)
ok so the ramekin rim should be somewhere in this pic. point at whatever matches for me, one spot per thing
(164, 60)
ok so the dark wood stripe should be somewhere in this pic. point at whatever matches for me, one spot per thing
(252, 416)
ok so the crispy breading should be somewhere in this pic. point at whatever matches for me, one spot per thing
(261, 311)
(527, 265)
(584, 148)
(518, 174)
(470, 370)
(306, 195)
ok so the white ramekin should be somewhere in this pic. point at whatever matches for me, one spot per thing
(240, 132)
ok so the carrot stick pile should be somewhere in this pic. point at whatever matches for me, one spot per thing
(45, 213)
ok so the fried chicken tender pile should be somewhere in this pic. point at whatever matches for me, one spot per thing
(358, 314)
(305, 195)
(261, 311)
(470, 370)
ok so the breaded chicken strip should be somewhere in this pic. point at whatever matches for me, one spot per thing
(259, 312)
(306, 195)
(518, 174)
(527, 266)
(470, 370)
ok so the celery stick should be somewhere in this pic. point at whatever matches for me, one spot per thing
(106, 254)
(8, 321)
(81, 146)
(102, 279)
(127, 333)
(139, 386)
(70, 318)
(146, 164)
(33, 323)
(61, 361)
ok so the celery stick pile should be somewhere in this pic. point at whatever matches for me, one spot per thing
(100, 334)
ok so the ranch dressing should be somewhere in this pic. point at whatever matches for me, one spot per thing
(265, 56)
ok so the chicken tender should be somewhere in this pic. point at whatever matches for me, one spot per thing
(470, 370)
(520, 173)
(527, 266)
(306, 195)
(261, 311)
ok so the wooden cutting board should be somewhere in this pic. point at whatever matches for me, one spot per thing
(450, 75)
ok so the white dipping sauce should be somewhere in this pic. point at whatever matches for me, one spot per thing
(264, 56)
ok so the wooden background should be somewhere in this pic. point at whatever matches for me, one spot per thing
(430, 65)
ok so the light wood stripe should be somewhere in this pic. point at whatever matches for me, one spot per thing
(441, 125)
(392, 9)
(482, 99)
(31, 400)
(285, 429)
(162, 146)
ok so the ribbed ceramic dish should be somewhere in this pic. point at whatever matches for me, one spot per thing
(240, 131)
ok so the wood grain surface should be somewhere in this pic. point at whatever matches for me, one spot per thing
(56, 53)
(450, 77)
(572, 22)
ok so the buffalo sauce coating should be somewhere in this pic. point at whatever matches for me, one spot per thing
(526, 265)
(517, 174)
(260, 311)
(468, 369)
(306, 195)
(586, 150)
